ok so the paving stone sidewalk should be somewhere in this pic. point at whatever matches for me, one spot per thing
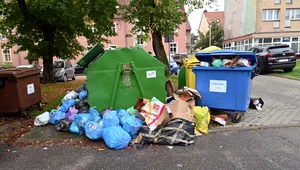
(282, 104)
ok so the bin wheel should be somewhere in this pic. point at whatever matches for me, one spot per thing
(235, 117)
(24, 113)
(40, 105)
(74, 77)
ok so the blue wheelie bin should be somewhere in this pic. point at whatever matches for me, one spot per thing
(225, 88)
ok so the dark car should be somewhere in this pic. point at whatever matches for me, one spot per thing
(78, 69)
(274, 57)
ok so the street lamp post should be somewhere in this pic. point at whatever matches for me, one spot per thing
(209, 33)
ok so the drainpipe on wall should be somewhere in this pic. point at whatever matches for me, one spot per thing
(126, 41)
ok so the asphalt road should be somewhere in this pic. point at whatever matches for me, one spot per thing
(257, 149)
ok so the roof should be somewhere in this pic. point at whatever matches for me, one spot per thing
(213, 16)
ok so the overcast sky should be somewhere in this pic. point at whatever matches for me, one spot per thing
(195, 16)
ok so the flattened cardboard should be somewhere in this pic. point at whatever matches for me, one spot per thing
(181, 109)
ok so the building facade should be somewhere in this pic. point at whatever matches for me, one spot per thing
(180, 43)
(261, 22)
(208, 17)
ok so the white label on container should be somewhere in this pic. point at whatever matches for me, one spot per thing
(151, 74)
(218, 86)
(30, 88)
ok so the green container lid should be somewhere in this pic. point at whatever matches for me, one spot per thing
(91, 55)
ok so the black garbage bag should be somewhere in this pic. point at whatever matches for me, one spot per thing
(177, 132)
(256, 103)
(81, 88)
(82, 106)
(64, 125)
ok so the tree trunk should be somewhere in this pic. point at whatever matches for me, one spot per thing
(48, 70)
(48, 31)
(159, 50)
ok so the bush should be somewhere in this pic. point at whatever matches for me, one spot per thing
(7, 65)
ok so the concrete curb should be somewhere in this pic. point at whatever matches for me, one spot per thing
(254, 127)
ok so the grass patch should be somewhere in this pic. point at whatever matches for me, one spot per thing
(295, 74)
(53, 93)
(174, 79)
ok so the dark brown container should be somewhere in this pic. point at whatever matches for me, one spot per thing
(19, 89)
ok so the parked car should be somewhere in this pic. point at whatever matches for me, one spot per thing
(274, 57)
(78, 69)
(30, 66)
(178, 59)
(173, 66)
(33, 66)
(63, 70)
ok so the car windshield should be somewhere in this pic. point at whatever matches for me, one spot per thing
(58, 64)
(280, 50)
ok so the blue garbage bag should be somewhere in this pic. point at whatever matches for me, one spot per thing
(115, 137)
(56, 116)
(83, 94)
(132, 125)
(81, 120)
(74, 128)
(94, 115)
(93, 130)
(110, 119)
(122, 115)
(66, 105)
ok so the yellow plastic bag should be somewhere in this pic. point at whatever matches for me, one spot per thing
(202, 117)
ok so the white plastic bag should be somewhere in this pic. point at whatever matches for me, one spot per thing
(70, 95)
(42, 119)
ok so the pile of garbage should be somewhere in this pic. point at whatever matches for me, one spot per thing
(237, 61)
(148, 121)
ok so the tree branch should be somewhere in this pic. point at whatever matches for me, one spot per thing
(23, 7)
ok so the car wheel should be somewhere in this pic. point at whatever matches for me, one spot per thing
(74, 77)
(288, 69)
(260, 68)
(65, 78)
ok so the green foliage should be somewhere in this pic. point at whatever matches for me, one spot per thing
(163, 15)
(7, 65)
(217, 36)
(158, 18)
(47, 28)
(295, 74)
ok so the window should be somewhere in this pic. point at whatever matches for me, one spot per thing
(112, 47)
(296, 44)
(114, 28)
(3, 36)
(173, 48)
(6, 55)
(277, 1)
(292, 14)
(267, 40)
(276, 40)
(93, 29)
(288, 1)
(88, 48)
(270, 14)
(140, 41)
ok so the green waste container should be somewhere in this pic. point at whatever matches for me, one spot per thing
(182, 77)
(117, 78)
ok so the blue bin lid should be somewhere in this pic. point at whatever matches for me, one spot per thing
(207, 56)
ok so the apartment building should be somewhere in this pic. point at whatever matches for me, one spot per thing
(261, 22)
